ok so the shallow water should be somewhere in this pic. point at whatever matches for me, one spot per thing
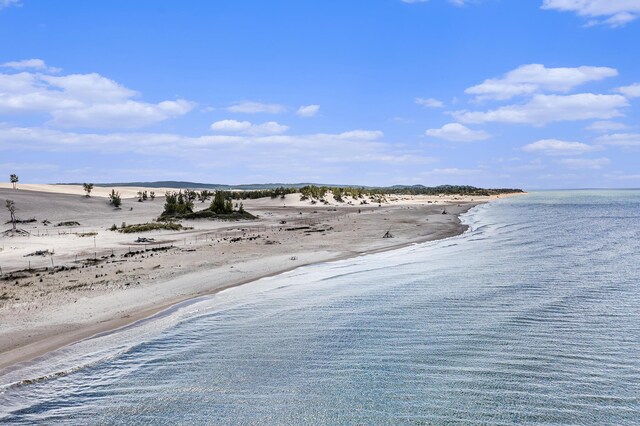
(532, 317)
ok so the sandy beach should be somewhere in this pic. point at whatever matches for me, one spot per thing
(61, 284)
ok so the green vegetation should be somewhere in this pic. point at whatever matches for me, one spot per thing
(88, 187)
(153, 226)
(176, 204)
(14, 180)
(179, 205)
(114, 199)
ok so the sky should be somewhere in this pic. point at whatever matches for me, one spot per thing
(534, 94)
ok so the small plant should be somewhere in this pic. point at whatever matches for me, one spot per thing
(114, 199)
(88, 187)
(152, 195)
(113, 227)
(14, 180)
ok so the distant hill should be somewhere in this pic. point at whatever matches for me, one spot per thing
(197, 185)
(395, 189)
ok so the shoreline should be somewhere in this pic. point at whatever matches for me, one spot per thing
(38, 350)
(106, 311)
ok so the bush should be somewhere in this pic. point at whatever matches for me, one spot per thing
(114, 199)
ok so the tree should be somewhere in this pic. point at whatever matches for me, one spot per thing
(114, 199)
(11, 206)
(220, 203)
(14, 180)
(88, 187)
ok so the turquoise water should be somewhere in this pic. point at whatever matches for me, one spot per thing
(532, 317)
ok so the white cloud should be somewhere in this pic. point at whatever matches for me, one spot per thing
(362, 135)
(9, 3)
(429, 102)
(308, 110)
(249, 107)
(632, 91)
(543, 109)
(268, 128)
(534, 78)
(82, 100)
(231, 126)
(235, 126)
(557, 147)
(606, 126)
(456, 132)
(621, 139)
(585, 163)
(245, 152)
(35, 64)
(127, 114)
(614, 13)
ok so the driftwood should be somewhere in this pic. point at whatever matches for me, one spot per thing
(387, 235)
(15, 233)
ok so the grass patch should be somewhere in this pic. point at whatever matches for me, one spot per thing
(154, 226)
(208, 214)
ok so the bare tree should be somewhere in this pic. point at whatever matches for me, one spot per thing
(11, 206)
(14, 180)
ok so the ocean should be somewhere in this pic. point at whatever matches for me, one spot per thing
(530, 317)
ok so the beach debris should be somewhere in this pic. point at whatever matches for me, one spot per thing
(145, 240)
(22, 221)
(387, 235)
(46, 222)
(69, 223)
(15, 232)
(293, 258)
(38, 253)
(444, 212)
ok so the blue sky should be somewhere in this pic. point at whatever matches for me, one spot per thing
(500, 93)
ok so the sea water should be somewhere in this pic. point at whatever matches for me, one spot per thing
(531, 317)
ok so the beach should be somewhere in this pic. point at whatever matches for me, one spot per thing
(61, 284)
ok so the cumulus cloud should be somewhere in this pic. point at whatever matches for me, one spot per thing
(557, 147)
(429, 102)
(456, 132)
(614, 13)
(606, 126)
(543, 109)
(621, 139)
(362, 135)
(235, 126)
(535, 78)
(277, 153)
(35, 64)
(250, 107)
(80, 100)
(632, 91)
(585, 163)
(308, 110)
(231, 126)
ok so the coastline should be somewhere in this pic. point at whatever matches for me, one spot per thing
(111, 310)
(33, 351)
